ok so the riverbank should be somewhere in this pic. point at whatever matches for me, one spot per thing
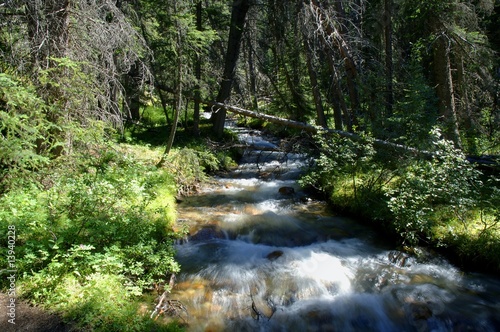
(446, 203)
(467, 251)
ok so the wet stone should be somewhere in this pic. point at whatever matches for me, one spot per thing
(286, 191)
(272, 256)
(207, 233)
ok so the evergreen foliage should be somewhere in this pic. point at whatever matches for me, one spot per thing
(22, 126)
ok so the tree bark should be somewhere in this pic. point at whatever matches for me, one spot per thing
(48, 29)
(178, 94)
(336, 98)
(253, 76)
(133, 91)
(444, 88)
(389, 95)
(197, 73)
(347, 57)
(331, 36)
(464, 108)
(238, 18)
(318, 102)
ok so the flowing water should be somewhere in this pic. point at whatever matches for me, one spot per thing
(262, 256)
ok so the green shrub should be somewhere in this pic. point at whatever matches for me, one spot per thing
(447, 181)
(89, 244)
(441, 201)
(350, 172)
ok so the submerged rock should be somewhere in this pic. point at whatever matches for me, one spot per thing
(274, 255)
(207, 233)
(287, 191)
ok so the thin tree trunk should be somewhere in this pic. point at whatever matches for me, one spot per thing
(336, 98)
(320, 112)
(346, 54)
(238, 18)
(327, 29)
(253, 78)
(153, 72)
(464, 109)
(178, 101)
(197, 73)
(48, 29)
(132, 90)
(58, 28)
(389, 95)
(178, 98)
(444, 88)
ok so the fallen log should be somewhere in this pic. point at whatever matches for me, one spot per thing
(490, 164)
(315, 129)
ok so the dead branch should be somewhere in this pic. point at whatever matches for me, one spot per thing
(172, 308)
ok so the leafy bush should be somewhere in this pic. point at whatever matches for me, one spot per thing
(441, 201)
(350, 172)
(89, 244)
(447, 181)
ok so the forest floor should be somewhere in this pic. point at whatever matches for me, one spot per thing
(30, 318)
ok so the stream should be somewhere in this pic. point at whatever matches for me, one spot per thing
(263, 256)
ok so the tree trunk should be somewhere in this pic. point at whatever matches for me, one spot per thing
(153, 72)
(464, 108)
(389, 95)
(252, 75)
(444, 88)
(133, 91)
(347, 56)
(318, 103)
(48, 29)
(178, 101)
(197, 73)
(329, 34)
(178, 95)
(238, 17)
(336, 98)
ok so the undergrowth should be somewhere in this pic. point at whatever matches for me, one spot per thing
(92, 235)
(95, 226)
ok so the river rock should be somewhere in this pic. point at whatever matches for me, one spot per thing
(261, 307)
(207, 233)
(399, 258)
(251, 209)
(272, 256)
(286, 191)
(420, 311)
